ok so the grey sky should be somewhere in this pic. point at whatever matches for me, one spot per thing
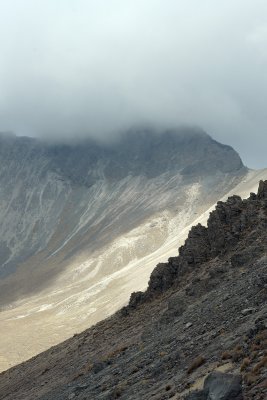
(76, 67)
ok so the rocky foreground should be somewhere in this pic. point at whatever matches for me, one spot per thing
(199, 332)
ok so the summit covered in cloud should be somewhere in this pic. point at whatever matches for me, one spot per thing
(92, 68)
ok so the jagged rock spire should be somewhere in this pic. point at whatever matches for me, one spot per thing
(262, 191)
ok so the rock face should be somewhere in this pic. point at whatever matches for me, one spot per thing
(202, 319)
(231, 222)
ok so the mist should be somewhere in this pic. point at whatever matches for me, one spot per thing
(72, 69)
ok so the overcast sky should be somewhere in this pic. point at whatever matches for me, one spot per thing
(76, 67)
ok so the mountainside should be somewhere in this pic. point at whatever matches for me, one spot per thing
(38, 182)
(82, 225)
(204, 310)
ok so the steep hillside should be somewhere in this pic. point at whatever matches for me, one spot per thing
(82, 225)
(204, 310)
(40, 182)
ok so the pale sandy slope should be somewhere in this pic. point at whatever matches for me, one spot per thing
(70, 305)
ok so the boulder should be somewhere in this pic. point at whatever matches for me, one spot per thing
(219, 386)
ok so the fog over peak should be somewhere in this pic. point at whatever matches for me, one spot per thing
(80, 68)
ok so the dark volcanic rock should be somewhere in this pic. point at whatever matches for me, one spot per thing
(262, 191)
(135, 299)
(219, 386)
(231, 222)
(222, 386)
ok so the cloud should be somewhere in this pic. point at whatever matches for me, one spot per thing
(92, 67)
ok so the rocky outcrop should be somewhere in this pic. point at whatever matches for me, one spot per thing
(262, 192)
(233, 222)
